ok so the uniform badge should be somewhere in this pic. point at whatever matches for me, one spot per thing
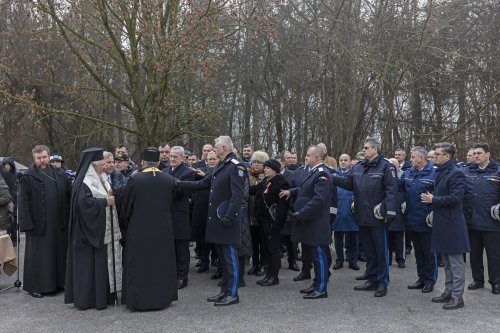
(241, 170)
(393, 173)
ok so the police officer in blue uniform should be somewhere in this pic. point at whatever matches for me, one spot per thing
(481, 194)
(180, 214)
(415, 181)
(373, 181)
(311, 219)
(227, 186)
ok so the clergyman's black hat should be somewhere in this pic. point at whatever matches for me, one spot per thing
(151, 154)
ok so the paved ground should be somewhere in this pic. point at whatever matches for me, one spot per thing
(265, 309)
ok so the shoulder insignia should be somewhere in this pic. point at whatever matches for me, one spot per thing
(241, 170)
(320, 169)
(235, 161)
(393, 172)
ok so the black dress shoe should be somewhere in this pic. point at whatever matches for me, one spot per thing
(316, 294)
(36, 295)
(443, 298)
(416, 285)
(475, 285)
(368, 285)
(381, 291)
(401, 264)
(217, 297)
(253, 270)
(270, 282)
(362, 277)
(216, 275)
(354, 266)
(338, 265)
(227, 300)
(182, 284)
(262, 280)
(454, 304)
(293, 266)
(308, 290)
(302, 276)
(495, 289)
(202, 269)
(261, 271)
(427, 288)
(362, 258)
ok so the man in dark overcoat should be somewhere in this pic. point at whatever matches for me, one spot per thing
(449, 230)
(43, 215)
(180, 214)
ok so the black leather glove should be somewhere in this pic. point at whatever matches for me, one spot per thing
(295, 218)
(226, 222)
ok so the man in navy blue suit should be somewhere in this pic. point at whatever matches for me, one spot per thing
(180, 214)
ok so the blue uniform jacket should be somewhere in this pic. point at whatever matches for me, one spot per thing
(180, 205)
(312, 203)
(372, 182)
(345, 218)
(414, 183)
(449, 231)
(482, 192)
(227, 187)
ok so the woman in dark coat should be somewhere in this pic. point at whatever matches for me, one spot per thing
(271, 212)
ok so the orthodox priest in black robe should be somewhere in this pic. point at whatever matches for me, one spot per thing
(93, 273)
(150, 277)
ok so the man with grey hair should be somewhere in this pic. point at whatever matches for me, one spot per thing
(420, 179)
(374, 183)
(180, 214)
(43, 216)
(227, 186)
(449, 230)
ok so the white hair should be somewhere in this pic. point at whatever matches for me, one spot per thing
(107, 154)
(179, 149)
(225, 141)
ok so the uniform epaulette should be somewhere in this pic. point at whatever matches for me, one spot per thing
(320, 169)
(235, 161)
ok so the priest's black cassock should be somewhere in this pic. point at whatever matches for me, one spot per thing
(88, 274)
(149, 265)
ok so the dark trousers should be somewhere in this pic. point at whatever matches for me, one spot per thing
(427, 265)
(257, 245)
(228, 258)
(321, 267)
(204, 253)
(489, 240)
(377, 261)
(397, 245)
(408, 241)
(307, 257)
(182, 258)
(290, 248)
(351, 244)
(273, 252)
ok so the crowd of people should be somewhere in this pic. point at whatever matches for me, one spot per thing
(97, 232)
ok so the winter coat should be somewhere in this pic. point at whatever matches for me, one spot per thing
(5, 202)
(449, 230)
(345, 218)
(414, 183)
(482, 192)
(266, 195)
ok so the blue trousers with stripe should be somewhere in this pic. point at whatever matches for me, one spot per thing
(228, 258)
(321, 265)
(427, 266)
(377, 259)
